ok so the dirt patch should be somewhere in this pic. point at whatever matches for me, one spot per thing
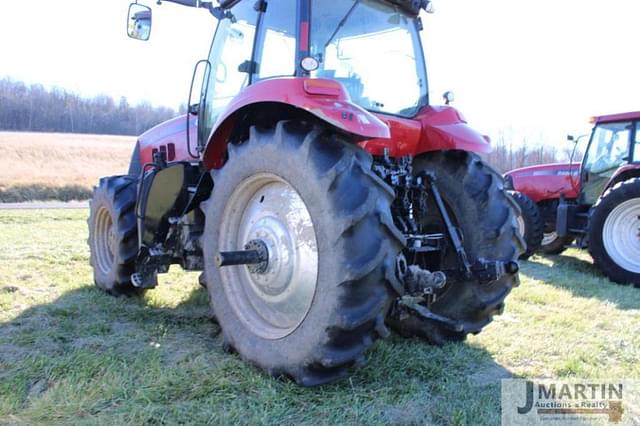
(415, 412)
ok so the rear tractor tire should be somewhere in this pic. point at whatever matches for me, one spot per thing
(530, 224)
(485, 216)
(614, 233)
(113, 234)
(310, 198)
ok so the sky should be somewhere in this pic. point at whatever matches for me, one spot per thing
(526, 70)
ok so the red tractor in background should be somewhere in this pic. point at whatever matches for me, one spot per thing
(320, 193)
(596, 203)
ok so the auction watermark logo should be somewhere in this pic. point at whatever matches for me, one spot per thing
(569, 402)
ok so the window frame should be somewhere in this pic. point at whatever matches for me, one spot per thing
(261, 33)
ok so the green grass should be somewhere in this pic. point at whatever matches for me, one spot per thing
(71, 354)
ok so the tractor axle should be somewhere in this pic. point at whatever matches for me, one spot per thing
(255, 254)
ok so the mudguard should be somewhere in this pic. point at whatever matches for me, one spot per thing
(628, 171)
(325, 99)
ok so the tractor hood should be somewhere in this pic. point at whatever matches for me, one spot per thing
(553, 169)
(545, 181)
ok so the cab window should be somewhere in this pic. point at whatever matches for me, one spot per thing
(231, 51)
(277, 55)
(609, 147)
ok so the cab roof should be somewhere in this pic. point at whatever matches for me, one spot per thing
(611, 118)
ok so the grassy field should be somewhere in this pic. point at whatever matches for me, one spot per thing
(70, 354)
(44, 166)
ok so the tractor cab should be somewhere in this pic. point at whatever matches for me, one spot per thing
(614, 148)
(363, 45)
(369, 49)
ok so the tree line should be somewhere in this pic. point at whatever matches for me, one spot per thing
(36, 109)
(506, 155)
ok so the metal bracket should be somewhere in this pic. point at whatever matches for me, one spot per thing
(487, 272)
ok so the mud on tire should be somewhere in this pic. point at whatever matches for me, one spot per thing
(486, 218)
(113, 234)
(357, 245)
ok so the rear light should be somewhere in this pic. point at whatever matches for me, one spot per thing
(323, 87)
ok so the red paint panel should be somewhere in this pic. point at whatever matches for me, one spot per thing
(304, 36)
(171, 132)
(405, 138)
(435, 128)
(547, 181)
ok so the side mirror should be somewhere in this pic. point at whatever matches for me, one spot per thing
(448, 97)
(139, 22)
(577, 139)
(194, 109)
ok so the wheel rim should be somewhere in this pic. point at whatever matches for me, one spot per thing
(549, 238)
(621, 235)
(273, 303)
(521, 225)
(105, 240)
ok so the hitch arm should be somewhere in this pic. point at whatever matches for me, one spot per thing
(451, 230)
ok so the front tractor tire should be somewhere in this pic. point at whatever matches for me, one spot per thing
(113, 234)
(614, 233)
(530, 224)
(485, 216)
(553, 244)
(312, 310)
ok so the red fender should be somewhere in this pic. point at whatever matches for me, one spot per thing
(326, 99)
(625, 172)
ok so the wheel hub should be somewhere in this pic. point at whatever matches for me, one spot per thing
(621, 235)
(265, 213)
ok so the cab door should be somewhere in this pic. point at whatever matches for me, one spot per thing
(230, 62)
(608, 149)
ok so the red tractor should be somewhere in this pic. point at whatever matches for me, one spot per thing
(597, 204)
(320, 193)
